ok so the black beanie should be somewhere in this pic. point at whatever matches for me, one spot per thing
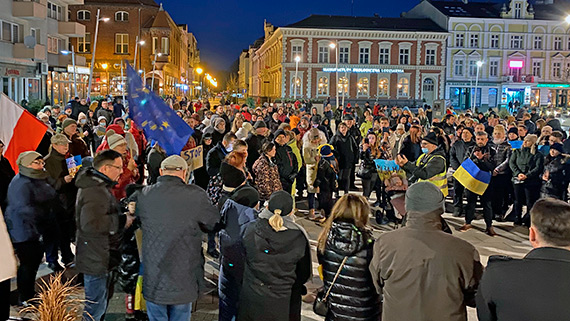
(513, 130)
(281, 200)
(231, 176)
(431, 138)
(246, 196)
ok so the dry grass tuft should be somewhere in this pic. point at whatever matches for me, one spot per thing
(57, 301)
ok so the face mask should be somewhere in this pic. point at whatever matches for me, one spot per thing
(230, 148)
(103, 123)
(425, 150)
(83, 121)
(497, 141)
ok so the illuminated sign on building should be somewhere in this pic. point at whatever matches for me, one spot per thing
(553, 85)
(364, 70)
(516, 64)
(78, 70)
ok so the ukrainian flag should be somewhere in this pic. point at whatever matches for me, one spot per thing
(472, 178)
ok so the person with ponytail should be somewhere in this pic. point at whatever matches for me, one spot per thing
(278, 263)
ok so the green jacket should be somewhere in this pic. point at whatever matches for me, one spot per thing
(434, 166)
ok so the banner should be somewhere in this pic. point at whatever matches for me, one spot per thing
(73, 164)
(193, 157)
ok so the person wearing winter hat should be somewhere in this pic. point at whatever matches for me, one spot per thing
(77, 145)
(513, 134)
(433, 263)
(459, 152)
(278, 263)
(430, 166)
(555, 176)
(325, 183)
(130, 172)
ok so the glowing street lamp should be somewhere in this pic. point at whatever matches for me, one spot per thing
(567, 19)
(297, 59)
(93, 53)
(137, 43)
(479, 64)
(333, 46)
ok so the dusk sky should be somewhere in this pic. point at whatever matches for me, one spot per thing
(224, 28)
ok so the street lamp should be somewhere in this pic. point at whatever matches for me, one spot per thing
(334, 46)
(72, 52)
(199, 71)
(153, 69)
(297, 59)
(137, 43)
(479, 64)
(93, 53)
(567, 19)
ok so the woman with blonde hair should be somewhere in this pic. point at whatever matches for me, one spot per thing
(278, 263)
(345, 248)
(527, 165)
(237, 123)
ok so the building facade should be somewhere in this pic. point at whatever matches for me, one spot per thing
(387, 60)
(523, 52)
(33, 35)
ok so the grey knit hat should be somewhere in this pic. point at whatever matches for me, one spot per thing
(424, 197)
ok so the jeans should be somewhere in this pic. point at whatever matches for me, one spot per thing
(30, 254)
(161, 312)
(500, 185)
(368, 185)
(311, 200)
(98, 290)
(458, 190)
(485, 202)
(57, 238)
(525, 194)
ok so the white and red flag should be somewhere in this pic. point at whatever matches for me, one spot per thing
(20, 131)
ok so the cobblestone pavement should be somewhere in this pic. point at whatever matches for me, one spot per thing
(510, 241)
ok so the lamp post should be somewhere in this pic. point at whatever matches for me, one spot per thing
(334, 46)
(479, 64)
(153, 69)
(199, 71)
(66, 52)
(137, 43)
(93, 53)
(297, 59)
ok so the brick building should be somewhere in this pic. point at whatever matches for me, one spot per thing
(389, 60)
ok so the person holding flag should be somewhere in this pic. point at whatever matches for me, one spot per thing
(484, 158)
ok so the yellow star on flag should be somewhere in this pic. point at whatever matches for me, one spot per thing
(165, 124)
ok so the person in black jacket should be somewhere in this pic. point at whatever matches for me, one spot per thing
(201, 177)
(278, 263)
(346, 152)
(526, 165)
(411, 146)
(6, 175)
(255, 141)
(484, 157)
(352, 296)
(285, 160)
(353, 131)
(326, 179)
(459, 152)
(556, 171)
(541, 275)
(217, 154)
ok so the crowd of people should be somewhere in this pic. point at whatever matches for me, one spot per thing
(257, 162)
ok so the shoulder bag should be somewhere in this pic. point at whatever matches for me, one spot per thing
(320, 306)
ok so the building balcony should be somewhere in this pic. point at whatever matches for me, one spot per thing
(35, 10)
(65, 60)
(71, 29)
(22, 51)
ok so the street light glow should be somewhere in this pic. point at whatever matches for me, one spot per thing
(567, 18)
(297, 59)
(332, 45)
(142, 42)
(65, 52)
(140, 71)
(199, 70)
(479, 63)
(104, 19)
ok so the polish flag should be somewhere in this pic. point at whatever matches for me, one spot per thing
(19, 130)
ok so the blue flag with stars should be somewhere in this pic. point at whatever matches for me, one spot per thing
(158, 121)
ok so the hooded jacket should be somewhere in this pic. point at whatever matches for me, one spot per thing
(353, 296)
(424, 273)
(100, 224)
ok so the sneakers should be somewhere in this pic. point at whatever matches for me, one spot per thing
(490, 231)
(465, 227)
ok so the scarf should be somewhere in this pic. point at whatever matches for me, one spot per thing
(33, 173)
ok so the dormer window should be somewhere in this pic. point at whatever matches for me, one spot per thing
(518, 10)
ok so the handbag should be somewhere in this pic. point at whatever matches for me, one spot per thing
(363, 172)
(320, 306)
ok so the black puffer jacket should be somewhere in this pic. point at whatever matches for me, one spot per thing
(353, 296)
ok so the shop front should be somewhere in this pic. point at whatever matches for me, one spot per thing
(21, 82)
(464, 95)
(554, 94)
(61, 85)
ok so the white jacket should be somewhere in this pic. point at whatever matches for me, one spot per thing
(8, 261)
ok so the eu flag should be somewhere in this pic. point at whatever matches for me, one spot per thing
(158, 121)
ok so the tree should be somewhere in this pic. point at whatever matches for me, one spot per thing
(232, 86)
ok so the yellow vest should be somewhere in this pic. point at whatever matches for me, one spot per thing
(439, 180)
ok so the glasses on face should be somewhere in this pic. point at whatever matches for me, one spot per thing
(115, 166)
(39, 162)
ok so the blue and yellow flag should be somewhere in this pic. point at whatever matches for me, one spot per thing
(472, 178)
(158, 121)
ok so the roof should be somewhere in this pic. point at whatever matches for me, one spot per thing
(161, 20)
(123, 2)
(366, 23)
(469, 9)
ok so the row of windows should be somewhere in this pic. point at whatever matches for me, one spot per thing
(9, 32)
(515, 42)
(364, 55)
(159, 45)
(54, 11)
(362, 87)
(85, 15)
(557, 70)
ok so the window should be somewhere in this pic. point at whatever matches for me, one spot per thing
(430, 57)
(84, 43)
(84, 15)
(324, 54)
(383, 87)
(10, 32)
(404, 56)
(494, 68)
(155, 45)
(459, 40)
(516, 42)
(296, 86)
(494, 41)
(52, 45)
(54, 11)
(403, 87)
(362, 85)
(296, 51)
(344, 53)
(537, 69)
(556, 69)
(364, 57)
(165, 45)
(458, 67)
(121, 16)
(472, 68)
(121, 43)
(384, 56)
(36, 34)
(474, 41)
(537, 42)
(343, 85)
(323, 86)
(429, 85)
(557, 43)
(517, 10)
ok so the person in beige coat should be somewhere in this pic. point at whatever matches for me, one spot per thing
(311, 142)
(7, 269)
(422, 272)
